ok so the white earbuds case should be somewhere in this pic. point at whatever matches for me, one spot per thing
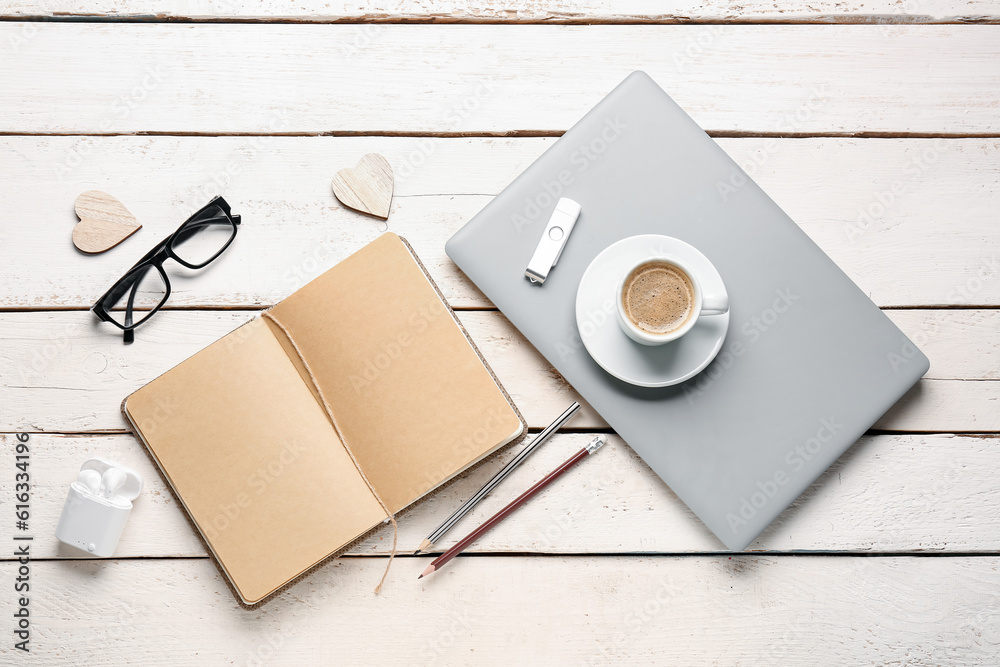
(98, 505)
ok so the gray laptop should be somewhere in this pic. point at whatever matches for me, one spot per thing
(808, 363)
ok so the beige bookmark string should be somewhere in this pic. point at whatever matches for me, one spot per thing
(340, 434)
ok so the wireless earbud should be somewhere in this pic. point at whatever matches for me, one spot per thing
(112, 480)
(90, 480)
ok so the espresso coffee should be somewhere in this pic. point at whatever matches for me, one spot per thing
(658, 297)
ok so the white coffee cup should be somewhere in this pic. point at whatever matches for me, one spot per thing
(702, 304)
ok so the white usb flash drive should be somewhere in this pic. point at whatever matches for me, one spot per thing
(553, 240)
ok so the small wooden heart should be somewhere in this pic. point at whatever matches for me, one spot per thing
(367, 187)
(104, 222)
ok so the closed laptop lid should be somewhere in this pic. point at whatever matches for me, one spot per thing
(809, 363)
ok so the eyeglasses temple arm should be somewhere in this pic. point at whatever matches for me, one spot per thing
(128, 335)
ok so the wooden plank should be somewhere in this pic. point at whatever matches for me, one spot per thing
(883, 209)
(960, 344)
(547, 11)
(66, 372)
(898, 493)
(748, 610)
(227, 78)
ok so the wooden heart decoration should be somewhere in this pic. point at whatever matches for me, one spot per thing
(104, 222)
(367, 187)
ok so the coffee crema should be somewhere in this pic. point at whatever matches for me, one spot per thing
(658, 297)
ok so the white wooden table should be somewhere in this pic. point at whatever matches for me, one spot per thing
(875, 125)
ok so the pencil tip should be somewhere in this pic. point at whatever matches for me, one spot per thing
(430, 568)
(424, 546)
(420, 576)
(417, 552)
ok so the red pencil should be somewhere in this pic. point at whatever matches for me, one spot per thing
(440, 561)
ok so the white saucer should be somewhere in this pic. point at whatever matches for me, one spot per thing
(602, 335)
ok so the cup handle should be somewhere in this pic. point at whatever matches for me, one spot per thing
(714, 304)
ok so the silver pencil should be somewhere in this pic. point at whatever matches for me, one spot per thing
(499, 477)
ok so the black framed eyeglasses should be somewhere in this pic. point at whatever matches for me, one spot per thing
(143, 290)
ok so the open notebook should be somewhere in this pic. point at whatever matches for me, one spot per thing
(242, 437)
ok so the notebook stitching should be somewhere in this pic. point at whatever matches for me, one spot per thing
(347, 447)
(227, 578)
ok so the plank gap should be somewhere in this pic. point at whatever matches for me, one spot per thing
(514, 134)
(537, 429)
(820, 553)
(820, 19)
(457, 309)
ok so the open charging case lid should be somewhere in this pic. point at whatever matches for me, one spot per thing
(132, 487)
